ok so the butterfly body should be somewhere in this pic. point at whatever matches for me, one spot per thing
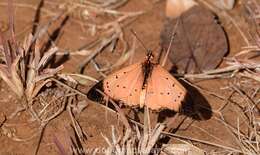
(145, 83)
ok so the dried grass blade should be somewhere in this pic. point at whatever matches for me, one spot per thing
(145, 138)
(50, 72)
(30, 83)
(129, 148)
(5, 75)
(31, 93)
(155, 136)
(37, 54)
(22, 64)
(77, 77)
(16, 78)
(76, 126)
(114, 140)
(27, 44)
(107, 140)
(7, 54)
(11, 20)
(128, 133)
(41, 30)
(252, 76)
(46, 57)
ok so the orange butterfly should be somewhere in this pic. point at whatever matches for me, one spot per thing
(145, 83)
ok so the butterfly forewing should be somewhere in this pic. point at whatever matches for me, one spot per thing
(125, 85)
(163, 90)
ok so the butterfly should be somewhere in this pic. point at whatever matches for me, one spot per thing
(145, 84)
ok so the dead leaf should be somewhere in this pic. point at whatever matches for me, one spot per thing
(199, 44)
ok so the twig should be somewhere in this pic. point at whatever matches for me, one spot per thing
(78, 75)
(68, 87)
(42, 129)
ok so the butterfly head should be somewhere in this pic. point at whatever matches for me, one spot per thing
(149, 55)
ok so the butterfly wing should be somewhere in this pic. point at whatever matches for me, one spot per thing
(163, 90)
(125, 85)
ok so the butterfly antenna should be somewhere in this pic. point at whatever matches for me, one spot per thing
(142, 43)
(172, 37)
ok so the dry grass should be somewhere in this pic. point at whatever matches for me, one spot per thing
(25, 70)
(141, 139)
(137, 140)
(24, 67)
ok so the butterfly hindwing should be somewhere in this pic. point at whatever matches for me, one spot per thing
(125, 85)
(163, 90)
